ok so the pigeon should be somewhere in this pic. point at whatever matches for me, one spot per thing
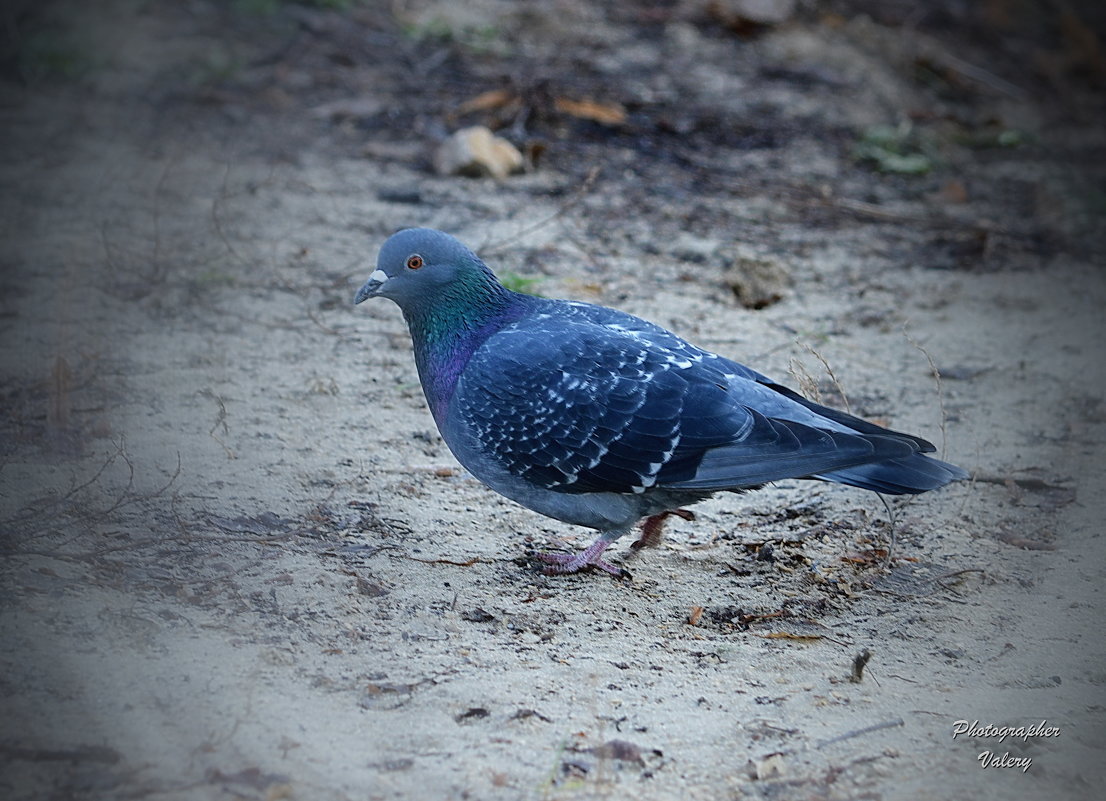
(597, 418)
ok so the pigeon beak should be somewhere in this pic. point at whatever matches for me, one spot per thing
(371, 287)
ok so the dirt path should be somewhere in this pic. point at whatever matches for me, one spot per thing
(238, 560)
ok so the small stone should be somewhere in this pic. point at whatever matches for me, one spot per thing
(476, 152)
(620, 750)
(373, 589)
(694, 248)
(739, 13)
(771, 767)
(757, 281)
(348, 109)
(477, 615)
(472, 714)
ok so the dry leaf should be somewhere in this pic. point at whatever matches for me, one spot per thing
(486, 101)
(954, 191)
(605, 114)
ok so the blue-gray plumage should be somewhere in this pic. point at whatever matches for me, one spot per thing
(595, 417)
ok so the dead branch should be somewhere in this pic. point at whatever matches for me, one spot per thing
(578, 195)
(832, 375)
(940, 386)
(890, 724)
(49, 513)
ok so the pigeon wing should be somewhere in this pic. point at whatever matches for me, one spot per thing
(572, 408)
(576, 406)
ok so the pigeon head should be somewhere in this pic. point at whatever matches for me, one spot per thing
(420, 268)
(450, 300)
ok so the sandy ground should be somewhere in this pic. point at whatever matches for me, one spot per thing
(239, 562)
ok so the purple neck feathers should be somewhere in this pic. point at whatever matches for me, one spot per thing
(446, 336)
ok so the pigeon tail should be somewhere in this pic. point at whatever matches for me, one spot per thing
(909, 475)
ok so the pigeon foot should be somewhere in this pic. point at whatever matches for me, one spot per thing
(562, 563)
(653, 527)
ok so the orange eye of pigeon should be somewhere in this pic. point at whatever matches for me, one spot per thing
(414, 261)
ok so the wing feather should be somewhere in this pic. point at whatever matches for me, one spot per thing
(575, 404)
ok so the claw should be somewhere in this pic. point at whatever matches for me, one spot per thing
(562, 563)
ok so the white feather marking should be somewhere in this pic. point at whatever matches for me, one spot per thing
(630, 332)
(602, 452)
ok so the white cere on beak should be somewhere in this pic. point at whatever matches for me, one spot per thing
(379, 276)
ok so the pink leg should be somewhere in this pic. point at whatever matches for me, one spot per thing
(653, 527)
(560, 563)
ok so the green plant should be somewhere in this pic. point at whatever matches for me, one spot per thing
(264, 8)
(893, 149)
(520, 283)
(49, 54)
(480, 39)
